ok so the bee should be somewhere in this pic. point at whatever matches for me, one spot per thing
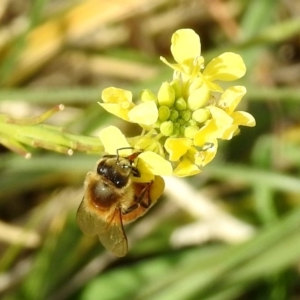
(112, 198)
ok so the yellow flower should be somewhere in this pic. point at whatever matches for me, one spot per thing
(186, 50)
(185, 46)
(119, 102)
(184, 120)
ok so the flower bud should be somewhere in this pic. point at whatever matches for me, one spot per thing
(166, 95)
(174, 115)
(175, 84)
(147, 95)
(180, 104)
(166, 128)
(190, 131)
(164, 113)
(185, 115)
(198, 98)
(201, 115)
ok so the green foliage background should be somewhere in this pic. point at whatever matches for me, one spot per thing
(54, 52)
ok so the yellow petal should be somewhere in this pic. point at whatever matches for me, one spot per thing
(113, 139)
(209, 154)
(175, 67)
(185, 45)
(116, 109)
(151, 162)
(227, 67)
(186, 168)
(229, 132)
(145, 113)
(177, 147)
(205, 135)
(220, 116)
(157, 188)
(243, 118)
(115, 95)
(213, 87)
(231, 98)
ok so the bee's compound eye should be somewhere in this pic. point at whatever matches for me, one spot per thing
(99, 169)
(102, 169)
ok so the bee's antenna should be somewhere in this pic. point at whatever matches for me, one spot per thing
(123, 148)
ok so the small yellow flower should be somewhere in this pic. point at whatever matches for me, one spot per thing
(119, 103)
(182, 123)
(186, 50)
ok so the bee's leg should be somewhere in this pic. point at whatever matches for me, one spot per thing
(130, 209)
(138, 200)
(135, 172)
(141, 197)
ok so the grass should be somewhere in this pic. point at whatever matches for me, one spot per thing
(235, 236)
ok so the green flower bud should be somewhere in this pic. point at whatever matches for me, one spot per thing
(182, 130)
(174, 115)
(164, 113)
(180, 121)
(166, 128)
(175, 132)
(201, 115)
(186, 115)
(192, 122)
(175, 84)
(176, 125)
(180, 104)
(147, 95)
(166, 95)
(190, 131)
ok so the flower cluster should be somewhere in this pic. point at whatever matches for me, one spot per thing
(182, 123)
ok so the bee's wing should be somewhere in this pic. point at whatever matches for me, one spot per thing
(113, 236)
(110, 230)
(86, 219)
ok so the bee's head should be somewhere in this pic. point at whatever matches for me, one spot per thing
(118, 169)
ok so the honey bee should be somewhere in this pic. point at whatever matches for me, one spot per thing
(113, 199)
